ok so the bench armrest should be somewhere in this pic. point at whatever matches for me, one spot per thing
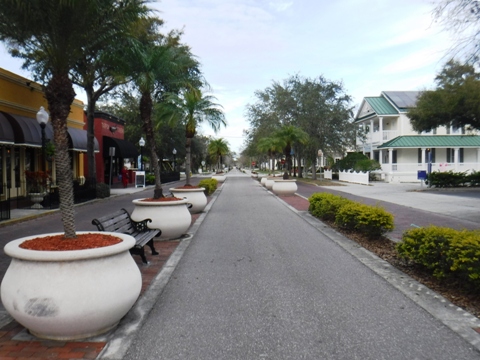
(141, 225)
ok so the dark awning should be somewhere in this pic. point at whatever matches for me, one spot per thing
(27, 131)
(6, 131)
(78, 140)
(123, 148)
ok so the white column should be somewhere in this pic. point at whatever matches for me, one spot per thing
(380, 127)
(371, 139)
(424, 151)
(456, 157)
(380, 157)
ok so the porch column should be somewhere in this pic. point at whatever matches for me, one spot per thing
(456, 157)
(380, 128)
(371, 139)
(390, 159)
(380, 158)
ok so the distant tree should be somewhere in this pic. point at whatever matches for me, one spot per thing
(288, 136)
(270, 145)
(218, 148)
(455, 101)
(461, 18)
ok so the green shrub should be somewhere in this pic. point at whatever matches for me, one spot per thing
(103, 190)
(210, 185)
(325, 206)
(446, 252)
(464, 253)
(474, 178)
(372, 221)
(447, 179)
(149, 179)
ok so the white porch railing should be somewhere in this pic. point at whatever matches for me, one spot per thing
(354, 177)
(381, 137)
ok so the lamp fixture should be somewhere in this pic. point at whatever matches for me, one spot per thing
(113, 129)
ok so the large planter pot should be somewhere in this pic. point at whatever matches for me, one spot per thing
(263, 180)
(269, 183)
(172, 217)
(284, 187)
(66, 295)
(219, 177)
(195, 196)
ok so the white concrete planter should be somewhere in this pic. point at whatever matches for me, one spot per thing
(269, 183)
(172, 217)
(220, 178)
(66, 295)
(284, 187)
(263, 180)
(195, 196)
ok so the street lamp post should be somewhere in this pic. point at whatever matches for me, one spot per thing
(42, 118)
(174, 152)
(141, 142)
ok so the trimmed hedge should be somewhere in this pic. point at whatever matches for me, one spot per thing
(373, 221)
(210, 185)
(453, 179)
(325, 206)
(444, 251)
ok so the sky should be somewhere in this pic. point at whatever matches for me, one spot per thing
(245, 45)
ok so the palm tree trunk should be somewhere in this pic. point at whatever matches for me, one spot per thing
(60, 95)
(188, 150)
(146, 105)
(92, 169)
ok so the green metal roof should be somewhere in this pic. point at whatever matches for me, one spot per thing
(381, 106)
(445, 141)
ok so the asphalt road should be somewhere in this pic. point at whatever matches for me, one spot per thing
(259, 282)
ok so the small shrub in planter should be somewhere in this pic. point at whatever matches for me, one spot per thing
(373, 221)
(210, 185)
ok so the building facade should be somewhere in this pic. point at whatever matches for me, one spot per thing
(389, 138)
(21, 135)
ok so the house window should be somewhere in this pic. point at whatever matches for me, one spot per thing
(419, 156)
(432, 151)
(394, 157)
(451, 155)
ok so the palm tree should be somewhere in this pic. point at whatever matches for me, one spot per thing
(289, 135)
(192, 108)
(270, 145)
(218, 148)
(156, 64)
(52, 36)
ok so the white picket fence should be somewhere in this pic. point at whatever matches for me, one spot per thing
(354, 177)
(327, 174)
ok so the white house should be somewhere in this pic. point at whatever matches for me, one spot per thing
(401, 151)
